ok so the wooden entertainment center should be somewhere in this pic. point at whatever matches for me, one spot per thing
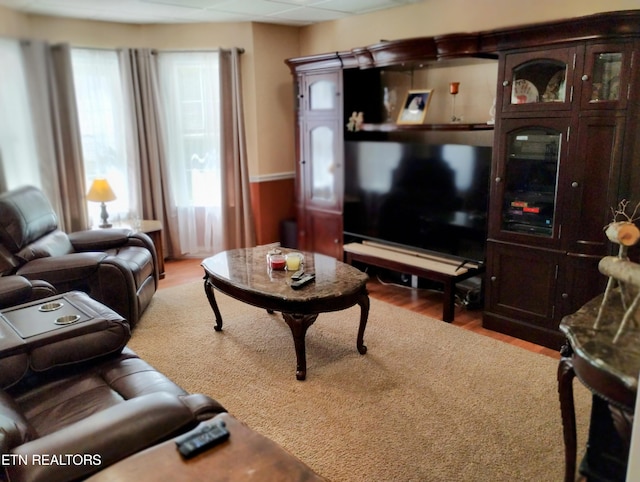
(565, 149)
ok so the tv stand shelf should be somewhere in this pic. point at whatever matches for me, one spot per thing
(439, 269)
(390, 127)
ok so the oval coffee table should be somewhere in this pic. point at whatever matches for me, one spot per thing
(243, 274)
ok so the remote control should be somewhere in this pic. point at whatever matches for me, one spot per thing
(297, 275)
(307, 278)
(199, 430)
(202, 439)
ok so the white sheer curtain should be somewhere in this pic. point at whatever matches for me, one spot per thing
(39, 140)
(18, 151)
(190, 97)
(106, 130)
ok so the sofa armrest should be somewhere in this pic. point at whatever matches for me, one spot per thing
(99, 239)
(102, 439)
(202, 406)
(109, 240)
(15, 290)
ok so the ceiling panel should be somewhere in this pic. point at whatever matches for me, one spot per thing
(288, 12)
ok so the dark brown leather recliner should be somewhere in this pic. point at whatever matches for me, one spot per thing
(74, 400)
(117, 267)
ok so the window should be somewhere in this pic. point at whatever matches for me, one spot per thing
(104, 125)
(18, 152)
(190, 95)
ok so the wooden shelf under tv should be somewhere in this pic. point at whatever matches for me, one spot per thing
(389, 127)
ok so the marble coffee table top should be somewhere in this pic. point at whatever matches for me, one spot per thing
(248, 269)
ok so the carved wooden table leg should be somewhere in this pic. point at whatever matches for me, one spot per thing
(299, 325)
(208, 289)
(568, 412)
(363, 302)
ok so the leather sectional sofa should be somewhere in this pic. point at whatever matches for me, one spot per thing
(118, 267)
(74, 399)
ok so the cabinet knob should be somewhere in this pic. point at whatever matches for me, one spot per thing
(565, 296)
(574, 184)
(493, 278)
(505, 83)
(585, 77)
(336, 241)
(498, 179)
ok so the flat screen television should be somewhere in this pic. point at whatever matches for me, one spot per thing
(430, 198)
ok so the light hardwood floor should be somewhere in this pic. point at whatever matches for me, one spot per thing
(425, 302)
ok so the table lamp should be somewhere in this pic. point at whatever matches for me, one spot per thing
(101, 192)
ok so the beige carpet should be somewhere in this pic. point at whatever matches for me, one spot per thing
(428, 402)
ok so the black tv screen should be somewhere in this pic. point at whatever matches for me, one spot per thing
(432, 198)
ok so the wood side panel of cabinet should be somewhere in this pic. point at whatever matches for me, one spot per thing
(580, 282)
(324, 233)
(522, 282)
(592, 184)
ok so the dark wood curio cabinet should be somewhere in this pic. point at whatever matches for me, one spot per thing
(566, 150)
(319, 176)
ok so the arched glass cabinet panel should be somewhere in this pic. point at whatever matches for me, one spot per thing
(322, 157)
(539, 81)
(322, 95)
(531, 181)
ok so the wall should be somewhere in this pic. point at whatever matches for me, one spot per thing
(267, 83)
(272, 184)
(437, 17)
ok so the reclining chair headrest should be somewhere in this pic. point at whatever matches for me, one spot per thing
(25, 216)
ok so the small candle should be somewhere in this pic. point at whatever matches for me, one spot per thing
(453, 87)
(277, 261)
(293, 261)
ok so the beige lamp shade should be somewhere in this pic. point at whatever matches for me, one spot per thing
(101, 191)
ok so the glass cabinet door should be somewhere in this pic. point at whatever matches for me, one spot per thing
(606, 76)
(322, 93)
(530, 181)
(538, 81)
(323, 164)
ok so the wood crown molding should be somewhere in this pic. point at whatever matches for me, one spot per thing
(417, 51)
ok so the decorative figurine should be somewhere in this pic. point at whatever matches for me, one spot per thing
(355, 121)
(621, 271)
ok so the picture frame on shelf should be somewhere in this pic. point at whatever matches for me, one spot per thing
(415, 106)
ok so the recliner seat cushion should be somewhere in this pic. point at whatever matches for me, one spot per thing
(55, 243)
(63, 269)
(61, 402)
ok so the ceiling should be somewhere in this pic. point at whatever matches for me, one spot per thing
(284, 12)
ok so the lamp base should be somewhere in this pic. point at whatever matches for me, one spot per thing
(104, 216)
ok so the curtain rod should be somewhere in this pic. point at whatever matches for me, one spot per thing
(219, 49)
